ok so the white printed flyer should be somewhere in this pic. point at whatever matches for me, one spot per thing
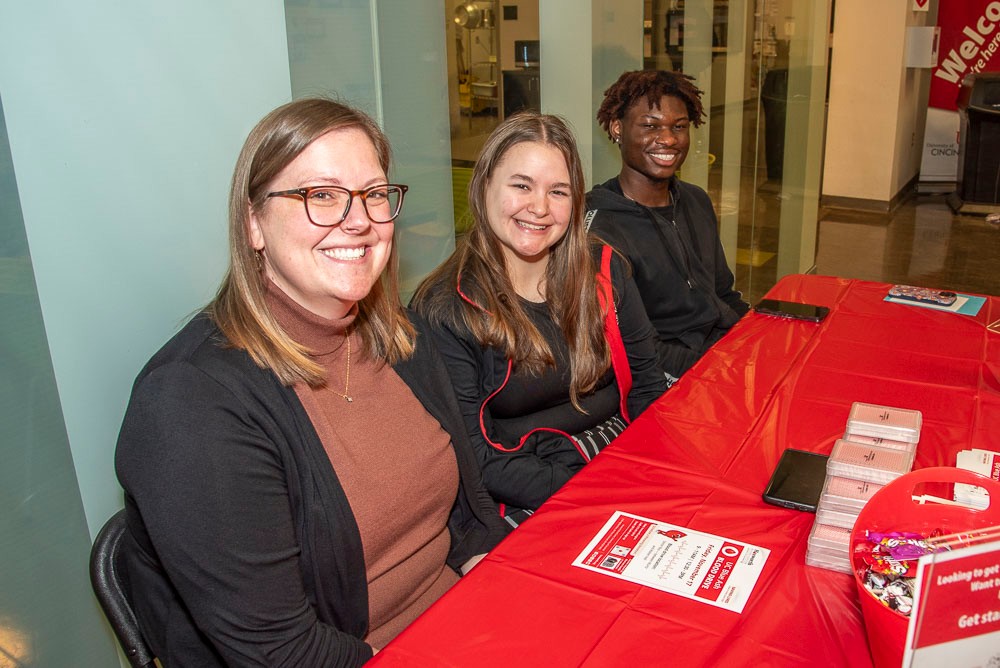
(711, 569)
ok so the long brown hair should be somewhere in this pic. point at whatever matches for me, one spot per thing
(239, 308)
(490, 308)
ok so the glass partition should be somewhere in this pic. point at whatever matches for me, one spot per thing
(491, 48)
(48, 616)
(762, 65)
(387, 59)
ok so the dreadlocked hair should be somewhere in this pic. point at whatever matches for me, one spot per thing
(653, 85)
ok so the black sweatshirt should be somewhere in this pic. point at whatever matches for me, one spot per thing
(529, 476)
(679, 267)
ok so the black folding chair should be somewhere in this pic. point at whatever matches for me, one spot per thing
(106, 580)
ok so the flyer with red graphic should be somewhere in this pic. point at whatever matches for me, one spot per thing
(711, 569)
(955, 619)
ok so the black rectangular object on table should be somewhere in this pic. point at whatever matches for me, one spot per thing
(797, 481)
(794, 310)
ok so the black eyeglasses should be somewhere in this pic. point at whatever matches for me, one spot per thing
(327, 206)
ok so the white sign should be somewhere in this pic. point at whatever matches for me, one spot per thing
(699, 566)
(955, 619)
(940, 159)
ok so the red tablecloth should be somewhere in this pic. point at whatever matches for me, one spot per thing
(700, 458)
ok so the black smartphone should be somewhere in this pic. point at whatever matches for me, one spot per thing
(797, 481)
(796, 310)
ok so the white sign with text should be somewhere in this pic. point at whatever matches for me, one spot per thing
(699, 566)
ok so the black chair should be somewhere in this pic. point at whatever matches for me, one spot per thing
(107, 583)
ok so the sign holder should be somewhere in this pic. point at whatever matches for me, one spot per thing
(956, 607)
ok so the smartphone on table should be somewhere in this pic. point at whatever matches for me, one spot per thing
(793, 310)
(797, 481)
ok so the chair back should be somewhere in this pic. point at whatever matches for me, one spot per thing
(106, 580)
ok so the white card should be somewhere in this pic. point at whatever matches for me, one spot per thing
(699, 566)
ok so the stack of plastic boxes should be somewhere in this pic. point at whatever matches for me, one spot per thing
(878, 447)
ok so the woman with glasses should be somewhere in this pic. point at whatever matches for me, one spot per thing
(298, 482)
(530, 313)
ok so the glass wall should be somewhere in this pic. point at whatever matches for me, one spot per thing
(388, 59)
(43, 532)
(121, 124)
(762, 65)
(491, 50)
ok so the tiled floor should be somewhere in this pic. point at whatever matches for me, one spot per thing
(921, 243)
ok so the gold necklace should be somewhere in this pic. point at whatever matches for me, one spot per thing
(347, 382)
(670, 198)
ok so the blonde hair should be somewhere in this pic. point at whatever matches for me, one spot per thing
(240, 309)
(495, 316)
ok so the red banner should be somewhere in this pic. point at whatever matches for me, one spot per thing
(970, 39)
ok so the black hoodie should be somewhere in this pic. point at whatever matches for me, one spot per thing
(679, 267)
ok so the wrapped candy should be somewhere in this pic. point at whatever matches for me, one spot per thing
(903, 545)
(891, 559)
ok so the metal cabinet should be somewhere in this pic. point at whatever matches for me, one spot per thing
(521, 90)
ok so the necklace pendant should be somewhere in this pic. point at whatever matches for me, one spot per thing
(349, 400)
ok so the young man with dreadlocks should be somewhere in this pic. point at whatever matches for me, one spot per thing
(666, 228)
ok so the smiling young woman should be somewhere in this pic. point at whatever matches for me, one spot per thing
(529, 206)
(518, 318)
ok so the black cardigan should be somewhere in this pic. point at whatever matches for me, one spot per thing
(242, 546)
